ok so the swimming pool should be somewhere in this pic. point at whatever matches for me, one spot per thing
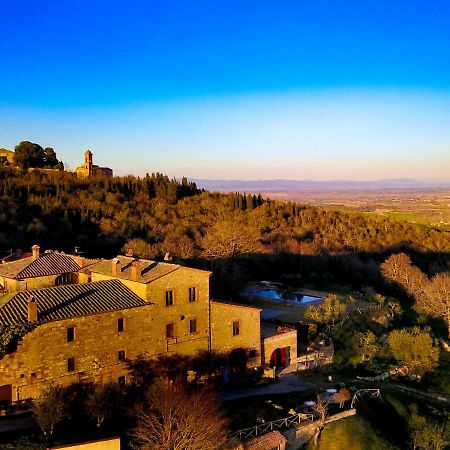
(285, 296)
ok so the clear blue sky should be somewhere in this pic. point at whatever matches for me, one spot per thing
(232, 89)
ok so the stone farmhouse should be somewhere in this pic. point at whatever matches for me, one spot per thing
(89, 170)
(98, 314)
(83, 319)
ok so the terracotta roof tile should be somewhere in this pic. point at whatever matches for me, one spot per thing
(63, 302)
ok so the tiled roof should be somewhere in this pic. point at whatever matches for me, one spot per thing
(269, 441)
(47, 264)
(148, 271)
(64, 302)
(15, 256)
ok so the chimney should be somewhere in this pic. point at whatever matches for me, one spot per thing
(35, 249)
(115, 265)
(168, 257)
(135, 270)
(32, 310)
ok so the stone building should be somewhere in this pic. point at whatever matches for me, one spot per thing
(181, 295)
(89, 170)
(40, 270)
(236, 331)
(82, 332)
(117, 310)
(6, 157)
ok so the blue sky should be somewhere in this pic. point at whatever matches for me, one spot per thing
(233, 89)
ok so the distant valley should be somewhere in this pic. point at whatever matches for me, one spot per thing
(399, 199)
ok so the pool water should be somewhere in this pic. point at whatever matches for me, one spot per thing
(285, 296)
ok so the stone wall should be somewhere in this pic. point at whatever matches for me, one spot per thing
(182, 311)
(42, 355)
(13, 285)
(306, 430)
(282, 340)
(249, 338)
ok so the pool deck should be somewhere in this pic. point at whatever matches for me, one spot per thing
(285, 311)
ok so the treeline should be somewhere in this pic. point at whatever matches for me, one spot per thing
(237, 236)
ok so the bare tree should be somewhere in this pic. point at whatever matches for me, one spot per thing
(436, 300)
(432, 296)
(229, 238)
(175, 419)
(321, 410)
(398, 268)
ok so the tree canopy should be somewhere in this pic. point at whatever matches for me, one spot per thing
(431, 295)
(414, 349)
(30, 155)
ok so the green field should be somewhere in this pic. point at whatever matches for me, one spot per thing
(354, 433)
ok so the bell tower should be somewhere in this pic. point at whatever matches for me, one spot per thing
(88, 162)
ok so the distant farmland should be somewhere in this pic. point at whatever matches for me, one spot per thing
(429, 207)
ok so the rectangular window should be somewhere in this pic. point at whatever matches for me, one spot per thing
(193, 326)
(122, 380)
(170, 331)
(169, 298)
(70, 334)
(121, 355)
(70, 364)
(120, 327)
(192, 294)
(235, 327)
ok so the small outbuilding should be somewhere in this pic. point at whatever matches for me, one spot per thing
(270, 441)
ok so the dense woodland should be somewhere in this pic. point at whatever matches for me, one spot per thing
(238, 236)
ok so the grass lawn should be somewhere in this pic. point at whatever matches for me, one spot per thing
(353, 433)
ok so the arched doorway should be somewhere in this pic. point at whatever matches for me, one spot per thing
(237, 362)
(278, 358)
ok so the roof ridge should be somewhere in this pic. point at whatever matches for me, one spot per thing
(68, 285)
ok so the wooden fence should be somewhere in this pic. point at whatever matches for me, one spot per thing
(263, 428)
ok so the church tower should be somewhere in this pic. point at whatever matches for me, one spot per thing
(88, 163)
